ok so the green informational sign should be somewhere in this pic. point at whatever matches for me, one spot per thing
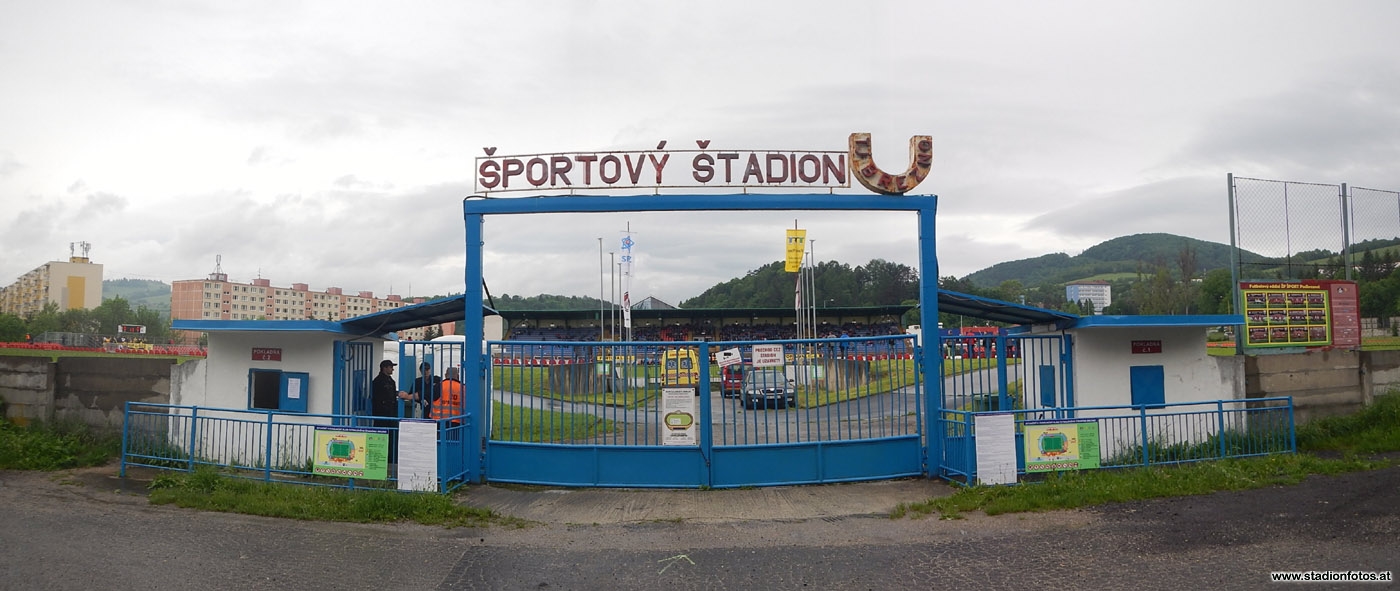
(1061, 445)
(351, 452)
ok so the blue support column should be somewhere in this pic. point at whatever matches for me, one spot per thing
(1003, 385)
(929, 362)
(474, 396)
(707, 442)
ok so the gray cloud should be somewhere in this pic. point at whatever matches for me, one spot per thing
(312, 144)
(8, 164)
(1190, 206)
(1343, 124)
(99, 205)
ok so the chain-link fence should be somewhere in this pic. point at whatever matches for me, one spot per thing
(1286, 230)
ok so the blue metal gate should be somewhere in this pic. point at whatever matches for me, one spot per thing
(591, 414)
(1030, 375)
(989, 373)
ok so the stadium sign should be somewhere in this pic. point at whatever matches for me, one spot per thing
(702, 168)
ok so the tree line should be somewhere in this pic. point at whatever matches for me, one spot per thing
(102, 320)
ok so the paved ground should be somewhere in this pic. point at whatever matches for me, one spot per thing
(88, 530)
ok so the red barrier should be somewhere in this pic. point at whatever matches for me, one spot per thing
(185, 350)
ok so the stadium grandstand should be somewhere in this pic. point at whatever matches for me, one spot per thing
(701, 324)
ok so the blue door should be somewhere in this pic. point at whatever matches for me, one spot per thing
(291, 391)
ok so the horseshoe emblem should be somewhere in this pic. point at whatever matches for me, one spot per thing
(864, 169)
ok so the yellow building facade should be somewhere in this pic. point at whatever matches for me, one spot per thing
(69, 285)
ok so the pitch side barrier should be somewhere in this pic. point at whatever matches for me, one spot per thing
(661, 414)
(1125, 436)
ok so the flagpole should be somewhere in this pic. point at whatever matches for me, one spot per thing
(600, 289)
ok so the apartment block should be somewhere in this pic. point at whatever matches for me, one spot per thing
(1098, 291)
(217, 298)
(71, 285)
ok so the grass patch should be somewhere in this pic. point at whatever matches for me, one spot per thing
(55, 446)
(536, 381)
(1071, 490)
(519, 423)
(209, 490)
(1376, 429)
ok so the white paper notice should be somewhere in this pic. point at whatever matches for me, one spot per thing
(678, 417)
(418, 458)
(996, 448)
(293, 388)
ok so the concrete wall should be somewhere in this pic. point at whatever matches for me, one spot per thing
(26, 386)
(92, 390)
(1323, 383)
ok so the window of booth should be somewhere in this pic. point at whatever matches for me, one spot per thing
(273, 389)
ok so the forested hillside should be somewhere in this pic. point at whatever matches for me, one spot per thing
(152, 294)
(1126, 254)
(876, 283)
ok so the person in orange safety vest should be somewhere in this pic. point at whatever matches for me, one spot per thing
(449, 402)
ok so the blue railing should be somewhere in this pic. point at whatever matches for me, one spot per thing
(266, 445)
(1142, 435)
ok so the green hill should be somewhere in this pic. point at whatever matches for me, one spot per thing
(1126, 254)
(154, 295)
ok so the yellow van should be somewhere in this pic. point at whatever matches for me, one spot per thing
(679, 367)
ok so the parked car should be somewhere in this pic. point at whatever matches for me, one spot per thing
(732, 379)
(762, 386)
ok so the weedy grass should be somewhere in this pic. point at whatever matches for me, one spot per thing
(210, 490)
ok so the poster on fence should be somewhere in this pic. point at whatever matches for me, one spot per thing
(418, 457)
(351, 452)
(1061, 444)
(678, 416)
(996, 448)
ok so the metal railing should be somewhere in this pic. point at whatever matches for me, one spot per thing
(1144, 435)
(264, 445)
(609, 393)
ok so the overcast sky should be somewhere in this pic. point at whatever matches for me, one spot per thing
(331, 143)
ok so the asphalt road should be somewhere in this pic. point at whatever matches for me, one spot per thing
(82, 531)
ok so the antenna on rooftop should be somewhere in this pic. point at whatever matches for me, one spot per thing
(218, 274)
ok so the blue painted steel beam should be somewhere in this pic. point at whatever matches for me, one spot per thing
(728, 202)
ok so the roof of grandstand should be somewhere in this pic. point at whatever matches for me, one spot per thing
(452, 309)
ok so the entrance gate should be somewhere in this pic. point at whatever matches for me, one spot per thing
(585, 414)
(761, 456)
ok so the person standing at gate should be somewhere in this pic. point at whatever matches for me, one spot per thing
(425, 391)
(449, 401)
(384, 402)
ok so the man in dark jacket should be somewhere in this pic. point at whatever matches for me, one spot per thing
(384, 402)
(384, 398)
(426, 388)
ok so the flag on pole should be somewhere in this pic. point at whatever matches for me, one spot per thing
(796, 250)
(797, 294)
(626, 310)
(627, 262)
